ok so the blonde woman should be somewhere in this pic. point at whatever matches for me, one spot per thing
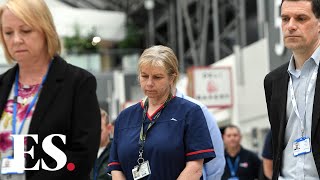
(163, 136)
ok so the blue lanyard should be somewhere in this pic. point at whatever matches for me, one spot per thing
(233, 167)
(95, 170)
(15, 102)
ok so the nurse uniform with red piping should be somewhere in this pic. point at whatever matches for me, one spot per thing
(179, 134)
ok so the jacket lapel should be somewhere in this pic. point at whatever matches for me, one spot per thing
(6, 81)
(48, 92)
(281, 86)
(316, 107)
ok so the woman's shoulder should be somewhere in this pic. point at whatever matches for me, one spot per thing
(186, 102)
(74, 69)
(69, 70)
(130, 115)
(8, 75)
(132, 109)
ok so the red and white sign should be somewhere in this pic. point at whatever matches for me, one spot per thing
(212, 86)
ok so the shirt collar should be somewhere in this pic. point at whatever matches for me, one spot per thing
(315, 57)
(292, 70)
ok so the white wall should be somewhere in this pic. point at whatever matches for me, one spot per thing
(252, 106)
(249, 109)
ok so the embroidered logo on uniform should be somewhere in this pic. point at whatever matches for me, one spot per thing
(173, 119)
(244, 164)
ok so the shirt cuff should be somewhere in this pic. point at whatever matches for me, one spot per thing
(207, 155)
(114, 166)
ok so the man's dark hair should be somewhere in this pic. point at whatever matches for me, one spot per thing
(231, 126)
(315, 6)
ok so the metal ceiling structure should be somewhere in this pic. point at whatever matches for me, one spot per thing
(200, 31)
(129, 6)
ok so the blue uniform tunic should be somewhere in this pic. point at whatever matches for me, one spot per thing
(180, 134)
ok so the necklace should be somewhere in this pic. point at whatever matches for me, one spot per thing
(25, 92)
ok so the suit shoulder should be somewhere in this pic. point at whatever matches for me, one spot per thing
(78, 72)
(5, 73)
(72, 70)
(278, 72)
(8, 74)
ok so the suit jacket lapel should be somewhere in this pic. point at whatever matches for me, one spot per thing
(48, 92)
(281, 86)
(6, 81)
(316, 106)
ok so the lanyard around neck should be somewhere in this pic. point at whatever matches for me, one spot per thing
(15, 102)
(233, 167)
(294, 101)
(143, 134)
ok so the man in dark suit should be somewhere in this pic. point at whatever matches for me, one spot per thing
(99, 170)
(293, 94)
(241, 164)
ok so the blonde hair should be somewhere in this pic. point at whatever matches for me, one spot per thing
(160, 56)
(104, 115)
(36, 14)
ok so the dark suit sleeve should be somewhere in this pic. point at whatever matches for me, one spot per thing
(267, 147)
(268, 91)
(84, 136)
(257, 164)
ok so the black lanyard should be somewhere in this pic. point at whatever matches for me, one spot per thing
(143, 134)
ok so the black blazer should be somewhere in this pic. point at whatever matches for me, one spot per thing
(67, 105)
(101, 165)
(276, 87)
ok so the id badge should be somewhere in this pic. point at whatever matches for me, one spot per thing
(9, 166)
(144, 171)
(301, 146)
(233, 178)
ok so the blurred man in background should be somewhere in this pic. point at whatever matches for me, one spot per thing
(241, 164)
(100, 166)
(267, 157)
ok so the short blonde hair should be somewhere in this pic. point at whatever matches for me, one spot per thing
(104, 115)
(36, 14)
(160, 56)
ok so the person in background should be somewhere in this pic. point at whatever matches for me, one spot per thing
(241, 164)
(164, 135)
(44, 95)
(293, 96)
(112, 129)
(214, 169)
(267, 156)
(100, 166)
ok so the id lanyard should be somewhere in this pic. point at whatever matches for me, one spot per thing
(95, 170)
(233, 167)
(294, 102)
(143, 134)
(15, 102)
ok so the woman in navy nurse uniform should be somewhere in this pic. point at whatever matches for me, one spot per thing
(163, 136)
